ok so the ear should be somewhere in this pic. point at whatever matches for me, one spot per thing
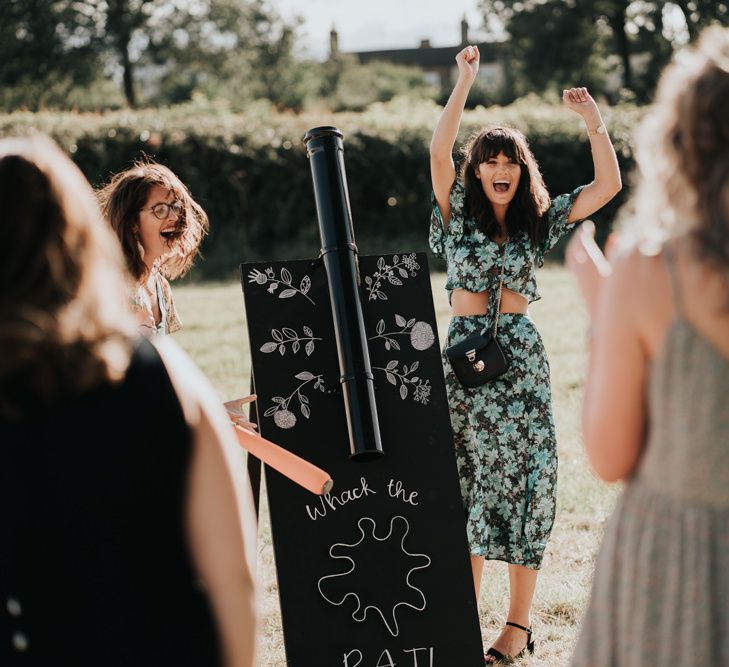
(475, 171)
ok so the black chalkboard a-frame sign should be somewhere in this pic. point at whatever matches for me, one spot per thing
(376, 573)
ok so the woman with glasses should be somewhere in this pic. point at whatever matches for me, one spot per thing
(160, 227)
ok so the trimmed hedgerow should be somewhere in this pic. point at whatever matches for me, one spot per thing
(251, 173)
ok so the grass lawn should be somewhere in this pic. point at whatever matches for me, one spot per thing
(216, 338)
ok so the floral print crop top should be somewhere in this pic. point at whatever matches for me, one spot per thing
(474, 260)
(141, 305)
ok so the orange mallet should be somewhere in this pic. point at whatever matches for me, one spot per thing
(294, 467)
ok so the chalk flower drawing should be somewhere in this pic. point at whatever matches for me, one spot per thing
(284, 280)
(420, 333)
(389, 616)
(406, 380)
(286, 335)
(401, 267)
(282, 416)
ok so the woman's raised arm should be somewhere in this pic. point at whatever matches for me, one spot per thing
(607, 182)
(614, 407)
(442, 169)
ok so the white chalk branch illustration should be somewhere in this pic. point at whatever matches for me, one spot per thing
(420, 333)
(284, 281)
(404, 378)
(282, 416)
(340, 551)
(401, 268)
(285, 336)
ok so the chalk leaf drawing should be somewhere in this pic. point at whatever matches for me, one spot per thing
(420, 333)
(402, 267)
(284, 280)
(405, 379)
(282, 416)
(337, 588)
(286, 335)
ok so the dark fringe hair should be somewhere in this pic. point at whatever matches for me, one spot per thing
(531, 199)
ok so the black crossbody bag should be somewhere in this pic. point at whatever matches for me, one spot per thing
(480, 358)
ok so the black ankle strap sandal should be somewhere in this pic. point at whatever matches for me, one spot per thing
(505, 659)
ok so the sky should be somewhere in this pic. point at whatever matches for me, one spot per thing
(368, 25)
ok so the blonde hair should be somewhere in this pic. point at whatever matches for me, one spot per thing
(127, 192)
(64, 327)
(683, 152)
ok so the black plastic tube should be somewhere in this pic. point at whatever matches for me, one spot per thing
(325, 150)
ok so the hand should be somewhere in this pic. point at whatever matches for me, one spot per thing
(236, 414)
(581, 102)
(588, 265)
(468, 60)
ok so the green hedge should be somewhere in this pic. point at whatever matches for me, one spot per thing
(251, 174)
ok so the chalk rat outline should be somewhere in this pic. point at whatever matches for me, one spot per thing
(353, 568)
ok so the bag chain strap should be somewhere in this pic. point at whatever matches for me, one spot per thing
(501, 283)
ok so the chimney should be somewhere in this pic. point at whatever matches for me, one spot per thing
(424, 43)
(464, 31)
(333, 43)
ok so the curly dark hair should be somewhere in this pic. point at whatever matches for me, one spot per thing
(64, 327)
(126, 193)
(531, 200)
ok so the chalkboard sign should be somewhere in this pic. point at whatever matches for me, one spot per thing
(376, 573)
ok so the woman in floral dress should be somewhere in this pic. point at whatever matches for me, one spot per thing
(497, 213)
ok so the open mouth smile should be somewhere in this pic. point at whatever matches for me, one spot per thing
(170, 233)
(501, 186)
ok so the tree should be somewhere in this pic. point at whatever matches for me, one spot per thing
(552, 45)
(192, 39)
(360, 85)
(615, 14)
(651, 30)
(175, 45)
(700, 13)
(33, 44)
(643, 29)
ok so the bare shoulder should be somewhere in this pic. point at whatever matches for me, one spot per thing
(193, 389)
(642, 288)
(641, 268)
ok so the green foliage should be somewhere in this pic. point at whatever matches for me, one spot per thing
(39, 62)
(348, 86)
(553, 42)
(156, 51)
(58, 91)
(553, 46)
(251, 174)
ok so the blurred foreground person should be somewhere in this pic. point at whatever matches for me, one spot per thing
(655, 405)
(128, 538)
(160, 228)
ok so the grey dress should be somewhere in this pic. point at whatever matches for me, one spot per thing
(661, 590)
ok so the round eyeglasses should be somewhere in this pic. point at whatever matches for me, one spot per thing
(162, 210)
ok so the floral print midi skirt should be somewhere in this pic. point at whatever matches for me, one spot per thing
(505, 444)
